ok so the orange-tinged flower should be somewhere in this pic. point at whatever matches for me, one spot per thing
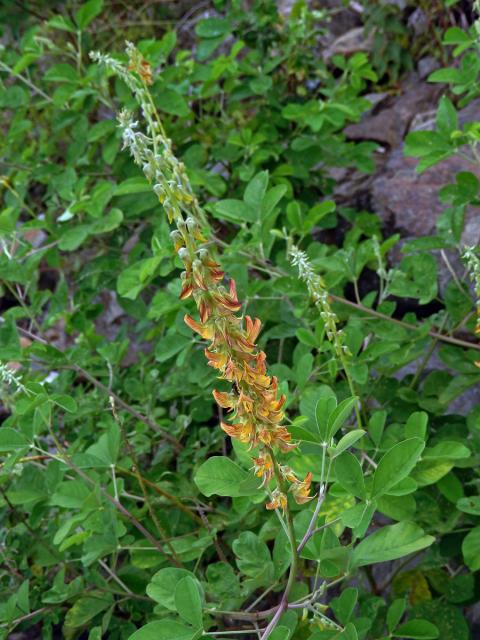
(204, 308)
(206, 332)
(216, 359)
(245, 404)
(198, 276)
(288, 474)
(266, 437)
(217, 275)
(252, 328)
(244, 431)
(282, 438)
(186, 291)
(225, 400)
(143, 69)
(301, 490)
(227, 302)
(263, 466)
(278, 501)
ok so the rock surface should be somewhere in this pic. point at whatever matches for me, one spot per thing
(406, 201)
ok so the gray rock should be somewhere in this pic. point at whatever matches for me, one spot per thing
(426, 66)
(418, 22)
(349, 43)
(410, 201)
(390, 119)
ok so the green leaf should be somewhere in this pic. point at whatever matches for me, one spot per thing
(317, 213)
(71, 494)
(62, 72)
(471, 549)
(234, 211)
(448, 450)
(169, 346)
(172, 102)
(416, 426)
(188, 602)
(220, 476)
(376, 424)
(347, 441)
(133, 185)
(396, 464)
(88, 12)
(272, 198)
(349, 633)
(135, 277)
(62, 23)
(403, 488)
(339, 416)
(389, 543)
(417, 630)
(447, 618)
(395, 613)
(349, 474)
(212, 28)
(469, 505)
(163, 584)
(424, 143)
(416, 277)
(166, 630)
(9, 340)
(65, 402)
(255, 192)
(431, 471)
(324, 408)
(11, 440)
(73, 238)
(111, 221)
(447, 120)
(344, 605)
(253, 555)
(107, 448)
(86, 608)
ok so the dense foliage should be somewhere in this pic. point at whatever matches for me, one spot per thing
(126, 509)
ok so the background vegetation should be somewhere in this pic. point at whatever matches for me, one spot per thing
(125, 511)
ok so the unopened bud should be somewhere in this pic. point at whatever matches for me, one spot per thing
(191, 223)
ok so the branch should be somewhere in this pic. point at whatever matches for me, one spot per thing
(99, 385)
(311, 527)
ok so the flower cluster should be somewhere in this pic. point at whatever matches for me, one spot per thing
(7, 375)
(319, 293)
(473, 264)
(253, 402)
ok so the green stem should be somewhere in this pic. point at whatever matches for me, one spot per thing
(293, 545)
(351, 386)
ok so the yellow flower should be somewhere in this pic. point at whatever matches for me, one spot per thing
(244, 431)
(263, 466)
(278, 501)
(301, 490)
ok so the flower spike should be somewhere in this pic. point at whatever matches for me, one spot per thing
(254, 403)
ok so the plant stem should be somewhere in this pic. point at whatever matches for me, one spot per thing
(96, 383)
(311, 527)
(351, 386)
(168, 496)
(427, 357)
(282, 607)
(116, 503)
